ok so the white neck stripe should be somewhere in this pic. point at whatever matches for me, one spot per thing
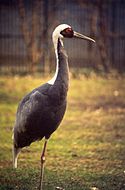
(55, 41)
(55, 36)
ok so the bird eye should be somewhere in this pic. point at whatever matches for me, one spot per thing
(68, 29)
(68, 33)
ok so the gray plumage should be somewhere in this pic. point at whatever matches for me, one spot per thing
(41, 111)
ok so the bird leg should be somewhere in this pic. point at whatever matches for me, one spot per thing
(42, 165)
(15, 152)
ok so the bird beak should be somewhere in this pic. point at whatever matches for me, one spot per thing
(81, 36)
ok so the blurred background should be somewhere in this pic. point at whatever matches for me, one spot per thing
(26, 28)
(88, 150)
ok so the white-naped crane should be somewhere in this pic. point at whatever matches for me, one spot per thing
(41, 111)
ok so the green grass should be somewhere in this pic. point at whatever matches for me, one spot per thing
(87, 151)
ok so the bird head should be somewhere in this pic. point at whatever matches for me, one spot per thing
(66, 31)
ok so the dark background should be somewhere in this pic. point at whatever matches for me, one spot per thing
(26, 28)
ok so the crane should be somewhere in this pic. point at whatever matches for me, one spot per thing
(41, 111)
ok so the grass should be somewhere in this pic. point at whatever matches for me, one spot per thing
(87, 152)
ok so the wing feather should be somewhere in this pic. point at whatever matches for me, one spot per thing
(28, 106)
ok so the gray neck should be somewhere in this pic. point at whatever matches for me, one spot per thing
(60, 81)
(62, 70)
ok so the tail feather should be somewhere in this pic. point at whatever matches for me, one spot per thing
(15, 155)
